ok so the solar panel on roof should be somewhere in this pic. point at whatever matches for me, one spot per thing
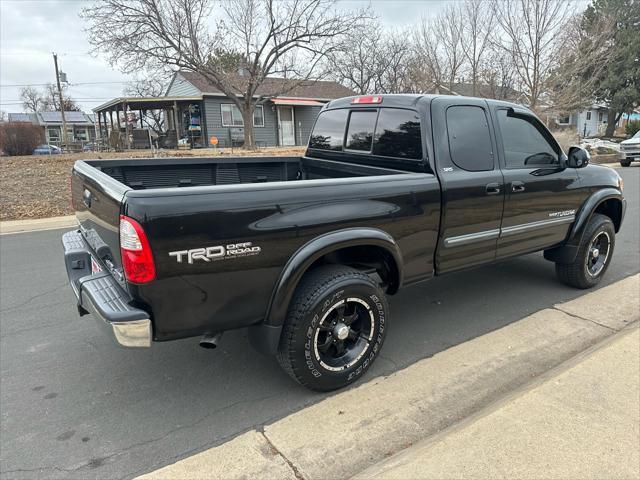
(19, 117)
(78, 117)
(51, 116)
(71, 117)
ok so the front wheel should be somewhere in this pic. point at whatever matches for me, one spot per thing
(625, 163)
(334, 329)
(594, 254)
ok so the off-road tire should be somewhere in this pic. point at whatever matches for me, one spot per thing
(319, 293)
(575, 274)
(625, 163)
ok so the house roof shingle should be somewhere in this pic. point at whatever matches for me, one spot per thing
(318, 89)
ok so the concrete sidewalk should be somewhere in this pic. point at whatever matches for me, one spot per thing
(582, 422)
(591, 414)
(37, 224)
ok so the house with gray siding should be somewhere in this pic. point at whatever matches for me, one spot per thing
(590, 122)
(80, 125)
(279, 120)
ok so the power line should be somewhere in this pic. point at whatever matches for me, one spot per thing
(70, 84)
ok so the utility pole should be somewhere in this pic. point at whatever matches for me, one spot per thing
(64, 121)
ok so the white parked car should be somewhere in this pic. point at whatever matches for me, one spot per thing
(630, 150)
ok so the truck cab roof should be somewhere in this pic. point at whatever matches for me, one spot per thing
(409, 100)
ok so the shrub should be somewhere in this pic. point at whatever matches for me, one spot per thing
(632, 127)
(19, 138)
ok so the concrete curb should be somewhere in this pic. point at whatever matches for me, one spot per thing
(37, 224)
(579, 420)
(364, 425)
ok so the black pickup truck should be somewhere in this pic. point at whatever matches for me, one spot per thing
(392, 190)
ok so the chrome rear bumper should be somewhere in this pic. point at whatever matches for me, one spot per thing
(100, 295)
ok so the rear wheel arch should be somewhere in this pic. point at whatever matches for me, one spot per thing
(357, 247)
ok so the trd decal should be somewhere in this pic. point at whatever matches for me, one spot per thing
(218, 252)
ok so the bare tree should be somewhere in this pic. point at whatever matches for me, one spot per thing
(265, 34)
(497, 75)
(32, 99)
(476, 27)
(51, 100)
(431, 67)
(152, 86)
(448, 28)
(357, 63)
(529, 30)
(394, 63)
(438, 43)
(582, 58)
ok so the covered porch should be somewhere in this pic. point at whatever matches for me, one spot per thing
(178, 122)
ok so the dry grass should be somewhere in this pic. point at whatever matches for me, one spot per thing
(38, 186)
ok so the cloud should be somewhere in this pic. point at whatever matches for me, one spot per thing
(30, 30)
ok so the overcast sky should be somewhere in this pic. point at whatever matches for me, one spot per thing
(30, 30)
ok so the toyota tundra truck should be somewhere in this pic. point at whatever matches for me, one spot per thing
(303, 251)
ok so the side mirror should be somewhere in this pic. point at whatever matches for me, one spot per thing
(577, 157)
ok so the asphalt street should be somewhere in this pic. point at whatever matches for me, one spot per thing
(74, 405)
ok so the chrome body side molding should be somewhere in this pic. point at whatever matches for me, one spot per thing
(471, 238)
(505, 232)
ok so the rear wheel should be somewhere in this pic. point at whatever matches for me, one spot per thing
(625, 163)
(334, 329)
(594, 254)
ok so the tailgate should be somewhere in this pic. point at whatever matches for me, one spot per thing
(97, 200)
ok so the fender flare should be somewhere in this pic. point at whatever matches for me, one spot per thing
(265, 336)
(568, 251)
(300, 262)
(587, 209)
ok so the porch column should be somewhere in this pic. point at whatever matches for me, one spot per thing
(175, 119)
(99, 127)
(126, 126)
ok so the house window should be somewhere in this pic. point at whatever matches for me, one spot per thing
(53, 134)
(563, 120)
(81, 134)
(589, 115)
(232, 117)
(599, 116)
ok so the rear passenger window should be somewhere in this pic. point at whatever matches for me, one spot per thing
(469, 138)
(360, 131)
(398, 134)
(328, 132)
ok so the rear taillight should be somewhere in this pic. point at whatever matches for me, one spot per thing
(137, 259)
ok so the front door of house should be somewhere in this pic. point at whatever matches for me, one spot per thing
(287, 126)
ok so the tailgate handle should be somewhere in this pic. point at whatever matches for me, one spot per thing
(86, 198)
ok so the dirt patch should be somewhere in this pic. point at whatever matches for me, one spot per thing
(38, 186)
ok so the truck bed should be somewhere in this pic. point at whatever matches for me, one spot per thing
(143, 174)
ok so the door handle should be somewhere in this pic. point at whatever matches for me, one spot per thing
(517, 186)
(493, 188)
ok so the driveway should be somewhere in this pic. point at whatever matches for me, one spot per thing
(76, 406)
